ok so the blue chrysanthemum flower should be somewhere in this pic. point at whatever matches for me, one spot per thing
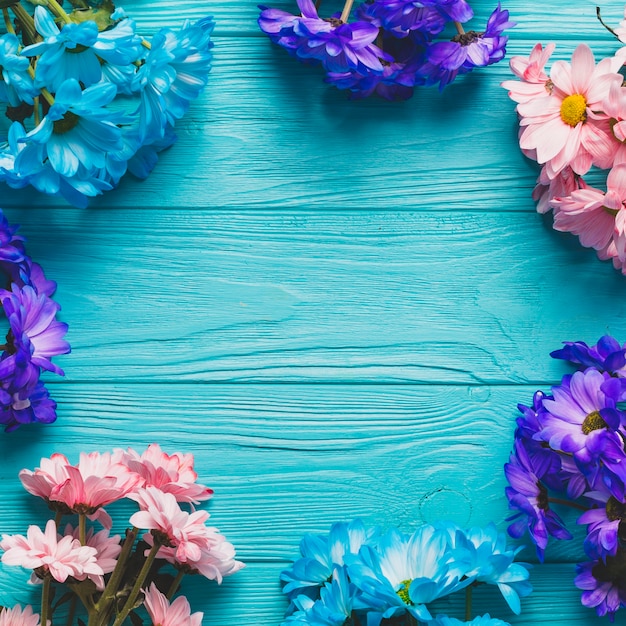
(16, 86)
(483, 556)
(482, 620)
(321, 554)
(403, 573)
(75, 50)
(76, 133)
(173, 73)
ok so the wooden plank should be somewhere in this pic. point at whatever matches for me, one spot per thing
(288, 459)
(268, 132)
(385, 296)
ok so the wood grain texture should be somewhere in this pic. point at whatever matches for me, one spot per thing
(335, 305)
(384, 296)
(289, 459)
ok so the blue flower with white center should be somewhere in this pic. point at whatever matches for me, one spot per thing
(174, 72)
(75, 50)
(485, 558)
(483, 620)
(402, 573)
(77, 132)
(321, 554)
(16, 86)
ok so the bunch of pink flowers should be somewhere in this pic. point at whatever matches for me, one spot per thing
(113, 577)
(572, 120)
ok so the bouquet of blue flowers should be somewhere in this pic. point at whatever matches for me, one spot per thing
(570, 450)
(89, 99)
(359, 576)
(34, 335)
(392, 45)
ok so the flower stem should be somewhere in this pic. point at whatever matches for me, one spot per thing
(141, 579)
(345, 14)
(468, 603)
(573, 505)
(459, 28)
(175, 584)
(26, 22)
(7, 21)
(45, 598)
(72, 610)
(116, 577)
(59, 11)
(604, 24)
(82, 529)
(58, 516)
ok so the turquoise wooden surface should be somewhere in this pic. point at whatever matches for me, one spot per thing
(335, 305)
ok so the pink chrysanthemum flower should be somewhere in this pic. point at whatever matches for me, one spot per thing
(598, 218)
(563, 184)
(216, 560)
(170, 525)
(16, 617)
(97, 480)
(162, 613)
(45, 553)
(171, 474)
(535, 83)
(107, 550)
(559, 126)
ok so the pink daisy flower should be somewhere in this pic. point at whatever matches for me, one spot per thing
(107, 550)
(173, 527)
(51, 473)
(563, 184)
(216, 559)
(559, 126)
(171, 474)
(162, 613)
(17, 617)
(44, 553)
(614, 107)
(534, 83)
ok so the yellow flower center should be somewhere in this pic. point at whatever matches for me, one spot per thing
(403, 592)
(592, 422)
(573, 109)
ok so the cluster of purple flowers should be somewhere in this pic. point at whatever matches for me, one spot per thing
(392, 46)
(358, 575)
(572, 443)
(89, 99)
(34, 335)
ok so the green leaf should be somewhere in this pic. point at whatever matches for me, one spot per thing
(101, 15)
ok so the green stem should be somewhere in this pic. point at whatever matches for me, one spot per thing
(58, 516)
(345, 14)
(45, 598)
(175, 584)
(141, 579)
(468, 603)
(82, 529)
(459, 28)
(72, 610)
(7, 21)
(59, 11)
(26, 22)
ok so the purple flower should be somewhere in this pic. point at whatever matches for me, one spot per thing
(603, 583)
(35, 336)
(583, 420)
(26, 406)
(529, 496)
(447, 59)
(603, 525)
(607, 355)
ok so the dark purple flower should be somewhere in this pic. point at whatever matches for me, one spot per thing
(605, 524)
(607, 355)
(447, 59)
(583, 420)
(278, 26)
(26, 406)
(529, 496)
(603, 583)
(403, 16)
